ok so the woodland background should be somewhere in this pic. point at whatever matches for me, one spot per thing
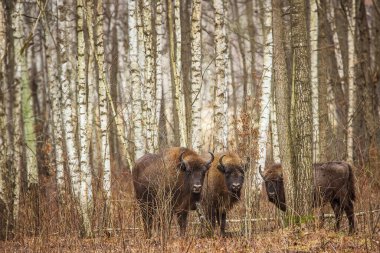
(87, 87)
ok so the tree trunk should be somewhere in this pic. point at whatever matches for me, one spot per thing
(85, 199)
(149, 88)
(282, 95)
(103, 110)
(19, 78)
(3, 134)
(301, 116)
(369, 95)
(313, 33)
(266, 85)
(221, 58)
(351, 80)
(135, 80)
(196, 75)
(175, 64)
(323, 81)
(160, 110)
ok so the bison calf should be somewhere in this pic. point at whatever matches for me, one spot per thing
(333, 183)
(222, 187)
(174, 177)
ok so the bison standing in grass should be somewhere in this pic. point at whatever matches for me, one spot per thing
(222, 187)
(333, 182)
(173, 178)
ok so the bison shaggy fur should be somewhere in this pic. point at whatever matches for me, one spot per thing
(333, 183)
(173, 178)
(222, 187)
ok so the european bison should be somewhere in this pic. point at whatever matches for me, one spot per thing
(333, 182)
(222, 186)
(174, 176)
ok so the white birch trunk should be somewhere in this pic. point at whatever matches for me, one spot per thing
(135, 79)
(265, 87)
(54, 65)
(221, 114)
(196, 75)
(103, 104)
(180, 99)
(160, 38)
(149, 91)
(314, 75)
(351, 81)
(64, 42)
(28, 121)
(338, 52)
(85, 181)
(17, 26)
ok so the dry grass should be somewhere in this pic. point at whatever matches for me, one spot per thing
(300, 240)
(59, 230)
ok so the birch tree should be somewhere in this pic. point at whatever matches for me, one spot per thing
(174, 23)
(135, 79)
(149, 78)
(19, 78)
(196, 74)
(160, 38)
(266, 85)
(85, 198)
(313, 34)
(221, 56)
(3, 132)
(103, 105)
(351, 80)
(54, 61)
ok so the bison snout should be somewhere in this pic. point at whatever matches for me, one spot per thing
(197, 188)
(236, 186)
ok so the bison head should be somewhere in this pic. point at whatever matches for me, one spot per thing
(195, 170)
(274, 185)
(233, 174)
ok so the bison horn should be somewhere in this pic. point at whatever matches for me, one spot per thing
(181, 156)
(211, 160)
(261, 172)
(221, 160)
(182, 162)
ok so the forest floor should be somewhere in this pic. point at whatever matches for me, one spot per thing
(282, 240)
(58, 231)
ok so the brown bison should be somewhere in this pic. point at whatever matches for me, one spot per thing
(177, 175)
(222, 187)
(333, 182)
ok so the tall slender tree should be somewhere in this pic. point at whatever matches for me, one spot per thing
(221, 57)
(175, 66)
(196, 74)
(351, 79)
(266, 85)
(300, 178)
(85, 195)
(313, 34)
(149, 87)
(135, 79)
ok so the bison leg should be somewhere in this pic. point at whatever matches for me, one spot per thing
(223, 223)
(349, 209)
(211, 217)
(335, 204)
(182, 222)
